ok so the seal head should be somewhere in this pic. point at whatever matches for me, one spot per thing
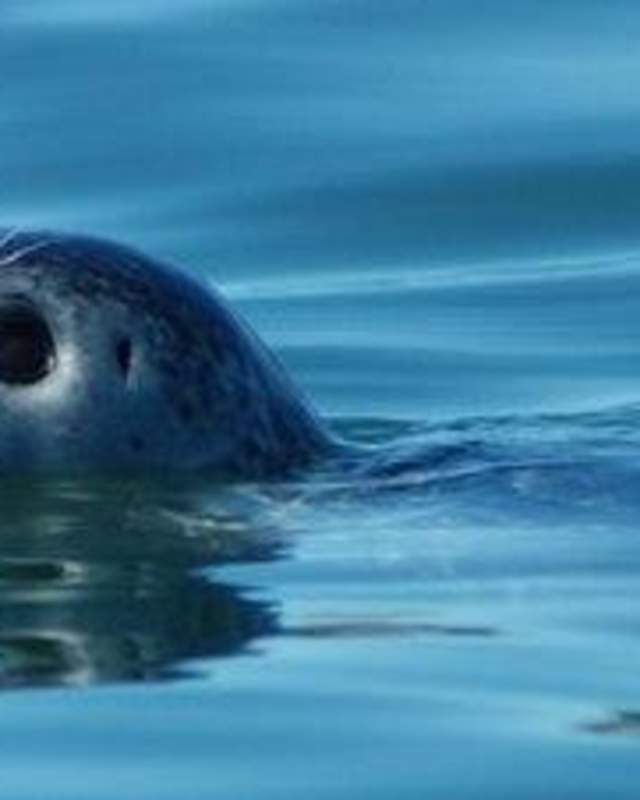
(110, 360)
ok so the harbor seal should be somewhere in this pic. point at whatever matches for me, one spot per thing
(111, 360)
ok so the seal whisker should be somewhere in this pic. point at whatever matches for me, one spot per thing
(17, 255)
(8, 237)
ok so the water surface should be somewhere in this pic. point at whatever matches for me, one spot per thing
(430, 211)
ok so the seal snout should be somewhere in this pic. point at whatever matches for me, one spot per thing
(27, 348)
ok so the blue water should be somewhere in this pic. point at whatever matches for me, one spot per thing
(430, 210)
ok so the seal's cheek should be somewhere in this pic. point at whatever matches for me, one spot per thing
(27, 349)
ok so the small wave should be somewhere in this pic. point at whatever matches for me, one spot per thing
(360, 283)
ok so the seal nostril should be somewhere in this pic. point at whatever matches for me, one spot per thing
(27, 350)
(123, 355)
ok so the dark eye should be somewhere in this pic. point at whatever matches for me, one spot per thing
(27, 351)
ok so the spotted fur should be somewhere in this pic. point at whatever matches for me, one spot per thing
(153, 369)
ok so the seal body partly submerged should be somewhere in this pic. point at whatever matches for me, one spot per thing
(110, 360)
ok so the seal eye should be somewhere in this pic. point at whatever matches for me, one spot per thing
(27, 350)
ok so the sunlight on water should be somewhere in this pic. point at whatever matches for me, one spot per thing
(608, 267)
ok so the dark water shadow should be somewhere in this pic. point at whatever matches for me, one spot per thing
(102, 581)
(372, 628)
(619, 723)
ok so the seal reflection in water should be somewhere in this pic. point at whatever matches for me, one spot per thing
(109, 360)
(103, 579)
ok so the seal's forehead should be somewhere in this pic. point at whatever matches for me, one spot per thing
(90, 268)
(66, 272)
(65, 253)
(16, 245)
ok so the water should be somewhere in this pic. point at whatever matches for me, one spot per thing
(430, 210)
